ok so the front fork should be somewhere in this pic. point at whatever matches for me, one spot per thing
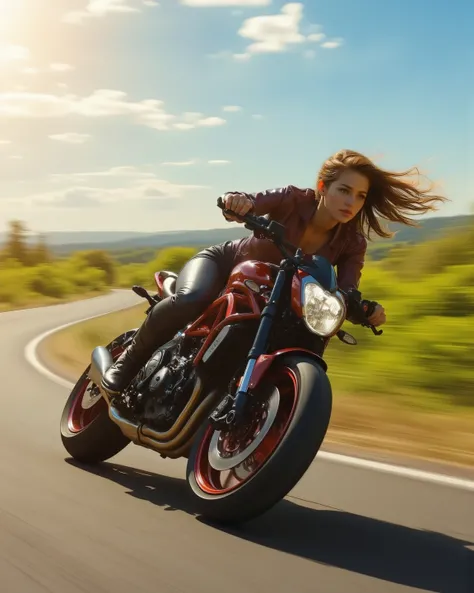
(230, 410)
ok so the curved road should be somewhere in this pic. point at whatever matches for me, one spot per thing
(127, 527)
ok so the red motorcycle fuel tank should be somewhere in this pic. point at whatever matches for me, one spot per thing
(253, 272)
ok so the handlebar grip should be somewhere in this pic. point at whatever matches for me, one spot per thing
(248, 218)
(368, 307)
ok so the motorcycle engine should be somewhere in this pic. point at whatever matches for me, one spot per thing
(156, 406)
(165, 391)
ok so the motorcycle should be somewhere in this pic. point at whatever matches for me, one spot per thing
(242, 392)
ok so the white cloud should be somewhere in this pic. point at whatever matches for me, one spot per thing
(21, 104)
(277, 33)
(207, 3)
(54, 67)
(332, 44)
(193, 119)
(150, 3)
(210, 122)
(257, 116)
(180, 163)
(5, 142)
(242, 57)
(183, 126)
(127, 171)
(316, 37)
(13, 53)
(219, 162)
(274, 33)
(16, 157)
(232, 108)
(101, 103)
(60, 67)
(80, 196)
(70, 137)
(98, 8)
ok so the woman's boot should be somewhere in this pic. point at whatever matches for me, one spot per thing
(145, 341)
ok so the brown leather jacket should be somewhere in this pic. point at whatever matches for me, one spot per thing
(294, 207)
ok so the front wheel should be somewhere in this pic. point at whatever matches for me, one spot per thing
(237, 475)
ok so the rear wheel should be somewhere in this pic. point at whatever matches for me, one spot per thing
(240, 474)
(87, 432)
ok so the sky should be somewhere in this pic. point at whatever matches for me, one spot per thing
(135, 115)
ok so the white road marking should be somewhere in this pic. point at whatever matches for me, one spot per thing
(398, 470)
(31, 350)
(31, 355)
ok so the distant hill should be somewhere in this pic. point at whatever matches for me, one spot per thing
(63, 243)
(429, 229)
(61, 238)
(158, 240)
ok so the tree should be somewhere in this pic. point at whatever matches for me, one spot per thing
(102, 260)
(40, 253)
(16, 246)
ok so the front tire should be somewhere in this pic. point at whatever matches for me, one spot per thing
(293, 426)
(87, 432)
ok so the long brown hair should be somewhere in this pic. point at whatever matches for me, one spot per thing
(391, 196)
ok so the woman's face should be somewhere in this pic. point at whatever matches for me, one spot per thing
(345, 197)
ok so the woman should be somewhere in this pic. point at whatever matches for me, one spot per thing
(334, 221)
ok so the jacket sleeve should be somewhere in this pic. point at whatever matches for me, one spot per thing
(349, 266)
(270, 200)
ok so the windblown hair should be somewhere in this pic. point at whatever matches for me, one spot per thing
(391, 196)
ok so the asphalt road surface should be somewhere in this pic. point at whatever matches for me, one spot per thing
(127, 526)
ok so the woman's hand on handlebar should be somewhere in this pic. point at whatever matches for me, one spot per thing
(238, 203)
(378, 317)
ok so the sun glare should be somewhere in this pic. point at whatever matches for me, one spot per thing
(7, 8)
(10, 11)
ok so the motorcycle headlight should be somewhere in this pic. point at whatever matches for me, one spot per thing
(323, 312)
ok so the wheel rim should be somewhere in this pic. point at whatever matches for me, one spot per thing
(226, 461)
(88, 403)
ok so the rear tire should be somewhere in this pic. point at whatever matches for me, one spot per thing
(286, 463)
(97, 438)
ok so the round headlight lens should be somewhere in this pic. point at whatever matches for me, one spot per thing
(323, 312)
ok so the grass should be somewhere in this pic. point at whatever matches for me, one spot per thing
(373, 422)
(68, 351)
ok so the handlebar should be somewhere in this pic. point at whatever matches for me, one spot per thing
(270, 228)
(359, 309)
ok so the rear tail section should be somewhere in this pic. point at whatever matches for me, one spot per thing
(165, 283)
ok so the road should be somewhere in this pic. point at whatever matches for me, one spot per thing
(128, 526)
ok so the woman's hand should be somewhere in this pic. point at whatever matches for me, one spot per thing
(378, 316)
(238, 203)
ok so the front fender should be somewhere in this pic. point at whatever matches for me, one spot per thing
(265, 361)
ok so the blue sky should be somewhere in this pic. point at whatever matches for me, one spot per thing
(136, 115)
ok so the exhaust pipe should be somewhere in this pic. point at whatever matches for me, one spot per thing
(129, 429)
(175, 441)
(152, 438)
